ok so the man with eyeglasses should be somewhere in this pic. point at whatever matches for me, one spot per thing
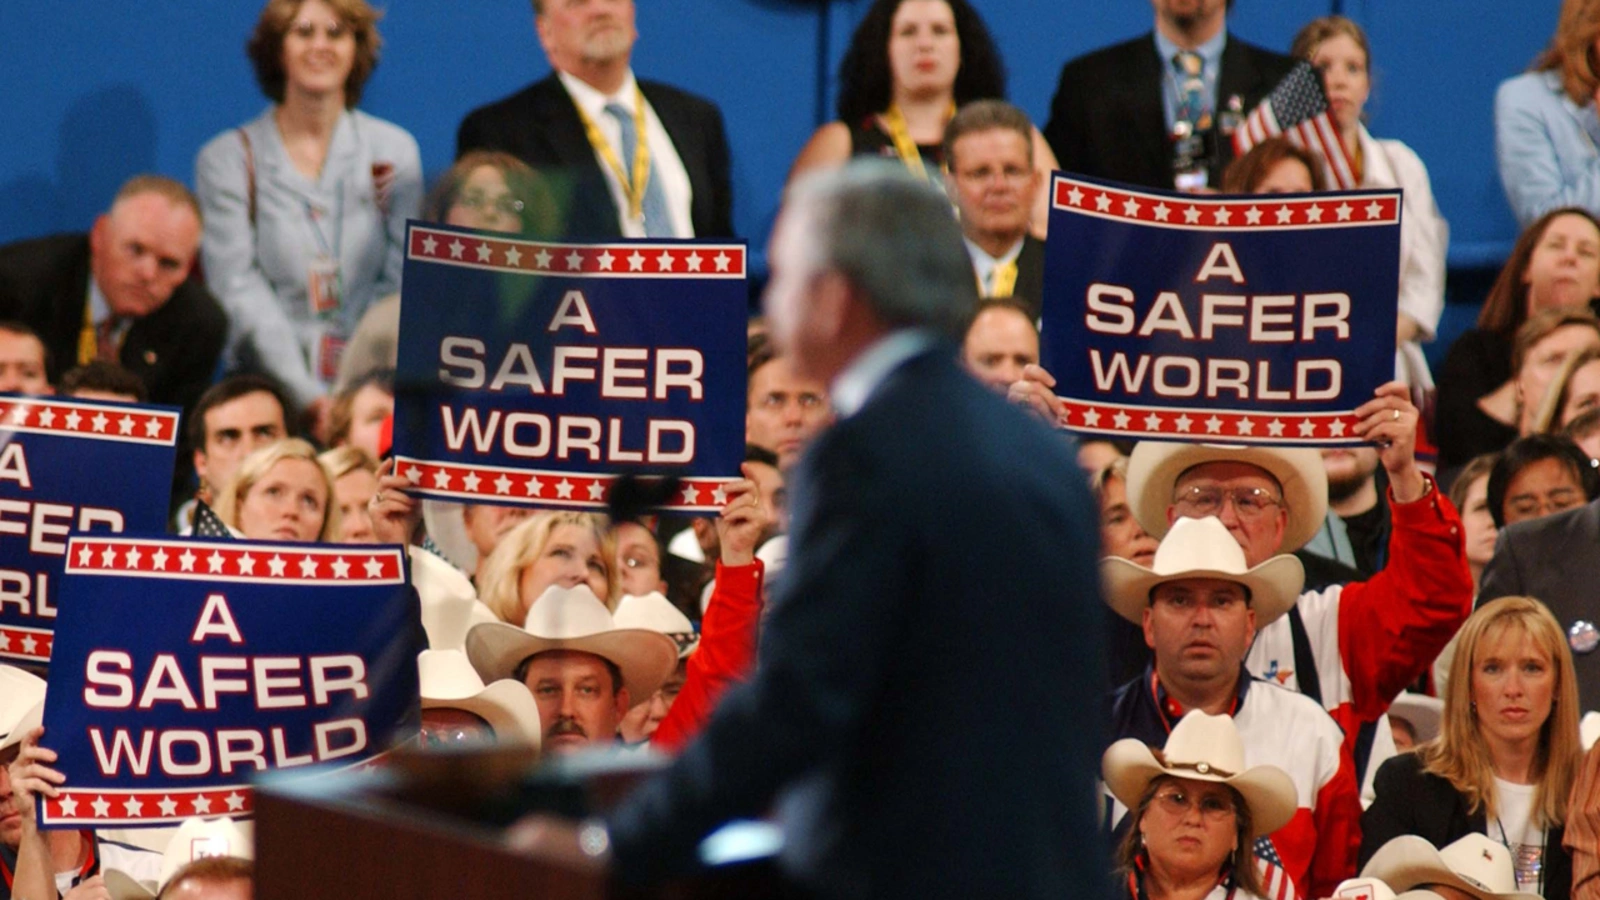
(1353, 647)
(988, 146)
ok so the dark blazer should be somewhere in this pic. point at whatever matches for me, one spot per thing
(1029, 289)
(1411, 801)
(540, 126)
(1556, 559)
(1106, 120)
(174, 350)
(929, 673)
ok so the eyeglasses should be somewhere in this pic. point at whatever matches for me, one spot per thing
(640, 561)
(1178, 802)
(479, 202)
(1248, 503)
(985, 174)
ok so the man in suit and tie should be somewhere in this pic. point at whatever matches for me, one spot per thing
(989, 154)
(629, 158)
(940, 574)
(124, 293)
(1160, 110)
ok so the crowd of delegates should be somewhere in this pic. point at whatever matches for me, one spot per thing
(1266, 607)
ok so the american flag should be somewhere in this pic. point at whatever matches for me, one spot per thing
(208, 524)
(1275, 882)
(1298, 109)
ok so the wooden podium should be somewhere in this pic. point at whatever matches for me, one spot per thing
(429, 826)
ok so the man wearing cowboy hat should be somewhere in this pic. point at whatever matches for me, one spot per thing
(459, 709)
(1472, 868)
(583, 670)
(1352, 647)
(1200, 604)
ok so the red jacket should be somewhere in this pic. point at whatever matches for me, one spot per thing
(727, 653)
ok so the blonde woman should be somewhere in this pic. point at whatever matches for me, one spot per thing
(1506, 754)
(355, 481)
(280, 493)
(551, 548)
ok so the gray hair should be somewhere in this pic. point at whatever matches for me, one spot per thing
(895, 238)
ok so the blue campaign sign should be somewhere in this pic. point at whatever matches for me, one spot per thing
(1259, 319)
(533, 373)
(185, 666)
(70, 466)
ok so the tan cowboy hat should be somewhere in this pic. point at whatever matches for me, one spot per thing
(656, 612)
(195, 839)
(20, 692)
(1474, 864)
(1202, 747)
(574, 619)
(449, 681)
(1154, 467)
(1202, 548)
(1422, 711)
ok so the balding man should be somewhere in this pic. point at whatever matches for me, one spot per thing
(123, 293)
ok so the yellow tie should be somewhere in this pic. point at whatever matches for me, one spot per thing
(88, 340)
(1004, 279)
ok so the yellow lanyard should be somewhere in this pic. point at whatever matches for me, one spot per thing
(632, 189)
(904, 146)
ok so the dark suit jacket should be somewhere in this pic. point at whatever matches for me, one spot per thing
(540, 126)
(174, 350)
(1411, 801)
(1029, 289)
(1556, 559)
(929, 673)
(1106, 120)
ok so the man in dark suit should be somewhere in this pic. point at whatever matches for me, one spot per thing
(1159, 110)
(579, 127)
(123, 293)
(988, 148)
(912, 699)
(1554, 559)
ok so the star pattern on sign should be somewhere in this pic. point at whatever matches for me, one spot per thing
(483, 252)
(694, 261)
(1313, 213)
(1184, 423)
(201, 804)
(1275, 428)
(108, 557)
(1252, 216)
(691, 495)
(513, 257)
(235, 801)
(430, 245)
(719, 494)
(341, 569)
(1152, 422)
(456, 248)
(373, 567)
(69, 806)
(534, 487)
(308, 567)
(636, 262)
(152, 428)
(48, 418)
(606, 261)
(99, 421)
(85, 552)
(471, 481)
(214, 563)
(564, 489)
(133, 556)
(1130, 207)
(1344, 212)
(1213, 425)
(574, 261)
(542, 258)
(247, 564)
(19, 414)
(5, 641)
(168, 806)
(722, 260)
(1191, 215)
(441, 479)
(664, 261)
(29, 644)
(1284, 214)
(1247, 426)
(414, 475)
(277, 565)
(102, 807)
(1374, 209)
(1121, 419)
(186, 561)
(133, 807)
(1307, 428)
(1336, 428)
(1103, 203)
(1163, 212)
(596, 490)
(1075, 196)
(73, 420)
(502, 485)
(1223, 215)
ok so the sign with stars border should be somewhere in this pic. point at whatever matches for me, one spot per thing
(1261, 319)
(183, 667)
(536, 374)
(70, 466)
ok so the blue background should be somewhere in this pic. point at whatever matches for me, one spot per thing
(501, 308)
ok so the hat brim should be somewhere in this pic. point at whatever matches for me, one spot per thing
(1274, 586)
(507, 705)
(645, 658)
(1128, 767)
(1422, 711)
(1408, 861)
(1154, 467)
(123, 887)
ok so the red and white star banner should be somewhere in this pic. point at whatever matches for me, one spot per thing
(1264, 212)
(236, 561)
(473, 484)
(43, 415)
(633, 260)
(1133, 422)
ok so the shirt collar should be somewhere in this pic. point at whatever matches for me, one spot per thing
(591, 101)
(1210, 51)
(99, 308)
(981, 257)
(853, 386)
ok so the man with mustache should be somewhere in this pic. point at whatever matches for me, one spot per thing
(124, 293)
(633, 158)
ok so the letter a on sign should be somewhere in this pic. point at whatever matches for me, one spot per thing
(1220, 261)
(216, 620)
(574, 310)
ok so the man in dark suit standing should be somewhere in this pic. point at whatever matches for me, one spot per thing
(1553, 558)
(913, 699)
(124, 293)
(1160, 110)
(988, 152)
(581, 127)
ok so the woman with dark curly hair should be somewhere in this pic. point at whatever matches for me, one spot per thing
(306, 205)
(909, 65)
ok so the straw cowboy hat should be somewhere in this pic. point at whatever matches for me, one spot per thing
(20, 692)
(449, 681)
(1474, 864)
(1202, 548)
(574, 619)
(1154, 467)
(655, 612)
(1202, 747)
(195, 839)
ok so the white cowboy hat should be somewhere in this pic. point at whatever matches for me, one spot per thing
(574, 619)
(195, 839)
(1373, 889)
(1202, 548)
(655, 612)
(449, 681)
(1422, 711)
(450, 604)
(1202, 747)
(30, 719)
(20, 691)
(1474, 864)
(448, 531)
(1154, 467)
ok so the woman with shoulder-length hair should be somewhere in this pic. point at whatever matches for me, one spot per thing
(306, 205)
(281, 492)
(1544, 120)
(563, 549)
(1507, 751)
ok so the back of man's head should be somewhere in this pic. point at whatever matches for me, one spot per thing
(211, 878)
(895, 239)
